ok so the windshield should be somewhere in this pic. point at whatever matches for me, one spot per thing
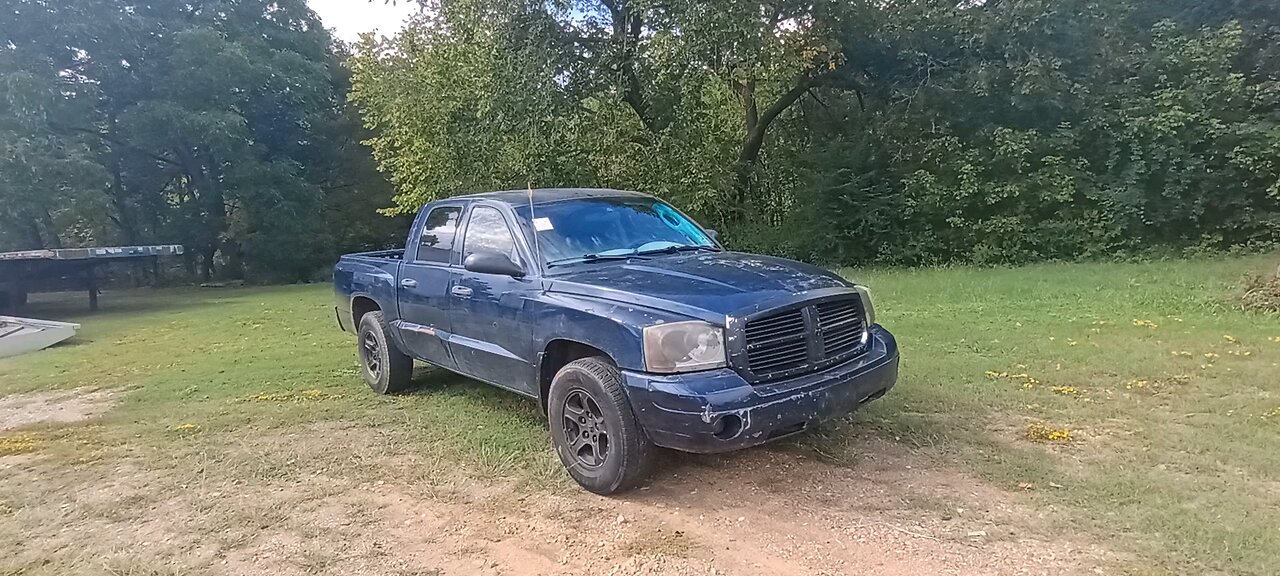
(588, 229)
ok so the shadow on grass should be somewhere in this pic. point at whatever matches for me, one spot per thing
(74, 306)
(429, 381)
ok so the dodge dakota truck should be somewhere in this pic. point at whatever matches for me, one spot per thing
(627, 321)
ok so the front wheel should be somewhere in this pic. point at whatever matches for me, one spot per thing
(384, 367)
(593, 429)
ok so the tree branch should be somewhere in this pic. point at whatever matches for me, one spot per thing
(819, 100)
(113, 140)
(751, 108)
(785, 101)
(627, 27)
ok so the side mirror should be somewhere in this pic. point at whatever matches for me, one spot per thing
(711, 232)
(492, 263)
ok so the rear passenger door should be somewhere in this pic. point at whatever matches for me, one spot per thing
(492, 337)
(423, 292)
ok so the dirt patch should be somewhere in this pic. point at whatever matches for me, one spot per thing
(366, 510)
(1261, 293)
(56, 407)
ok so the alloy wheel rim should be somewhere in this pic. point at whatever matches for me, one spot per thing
(585, 431)
(369, 350)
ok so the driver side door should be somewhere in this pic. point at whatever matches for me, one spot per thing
(492, 336)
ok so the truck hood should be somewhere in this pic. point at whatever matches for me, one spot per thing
(706, 285)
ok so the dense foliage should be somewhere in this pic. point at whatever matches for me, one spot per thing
(217, 124)
(845, 131)
(900, 131)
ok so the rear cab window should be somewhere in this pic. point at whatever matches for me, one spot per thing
(439, 232)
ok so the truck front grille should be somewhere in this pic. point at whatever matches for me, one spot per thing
(804, 339)
(779, 342)
(841, 325)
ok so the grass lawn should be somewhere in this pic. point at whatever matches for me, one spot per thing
(1129, 399)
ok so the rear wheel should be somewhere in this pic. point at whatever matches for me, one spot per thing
(385, 368)
(593, 429)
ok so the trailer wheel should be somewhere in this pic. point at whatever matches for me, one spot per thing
(385, 367)
(593, 429)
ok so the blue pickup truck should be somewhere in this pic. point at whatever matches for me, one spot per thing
(624, 318)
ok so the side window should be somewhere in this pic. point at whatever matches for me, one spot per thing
(438, 233)
(487, 231)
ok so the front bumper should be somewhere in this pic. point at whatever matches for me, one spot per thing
(718, 411)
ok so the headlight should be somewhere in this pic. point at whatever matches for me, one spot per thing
(868, 309)
(683, 347)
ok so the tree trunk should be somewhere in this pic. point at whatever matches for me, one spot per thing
(55, 241)
(124, 215)
(35, 239)
(206, 262)
(234, 256)
(189, 263)
(202, 183)
(628, 24)
(119, 195)
(755, 126)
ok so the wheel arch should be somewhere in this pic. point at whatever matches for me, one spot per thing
(556, 355)
(361, 305)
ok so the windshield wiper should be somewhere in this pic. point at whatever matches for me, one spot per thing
(592, 258)
(631, 254)
(680, 248)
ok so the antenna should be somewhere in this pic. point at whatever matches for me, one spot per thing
(533, 222)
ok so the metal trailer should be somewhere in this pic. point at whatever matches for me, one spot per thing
(40, 270)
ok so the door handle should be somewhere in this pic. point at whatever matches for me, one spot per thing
(460, 291)
(409, 283)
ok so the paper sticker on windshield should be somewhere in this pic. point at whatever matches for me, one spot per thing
(542, 224)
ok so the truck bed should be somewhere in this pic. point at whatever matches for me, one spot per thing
(372, 274)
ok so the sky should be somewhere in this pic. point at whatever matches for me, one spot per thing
(348, 18)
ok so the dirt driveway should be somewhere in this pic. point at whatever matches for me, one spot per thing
(333, 498)
(761, 513)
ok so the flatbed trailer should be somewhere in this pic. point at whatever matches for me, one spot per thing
(42, 270)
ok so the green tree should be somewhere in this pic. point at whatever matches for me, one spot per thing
(1031, 130)
(218, 124)
(676, 98)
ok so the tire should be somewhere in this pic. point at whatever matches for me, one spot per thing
(384, 367)
(593, 429)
